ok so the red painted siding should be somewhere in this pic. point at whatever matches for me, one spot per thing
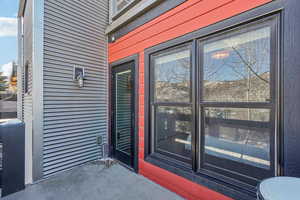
(189, 16)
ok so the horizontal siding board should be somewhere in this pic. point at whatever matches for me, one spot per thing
(67, 77)
(63, 65)
(69, 73)
(88, 32)
(204, 14)
(92, 7)
(63, 162)
(63, 95)
(68, 133)
(73, 124)
(87, 109)
(67, 60)
(72, 24)
(63, 157)
(70, 121)
(57, 90)
(66, 12)
(87, 8)
(70, 58)
(76, 40)
(70, 136)
(71, 106)
(175, 20)
(70, 151)
(69, 54)
(70, 145)
(55, 84)
(67, 70)
(190, 16)
(49, 45)
(76, 101)
(63, 32)
(74, 117)
(89, 138)
(70, 129)
(56, 135)
(67, 165)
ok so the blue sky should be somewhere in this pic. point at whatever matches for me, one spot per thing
(8, 30)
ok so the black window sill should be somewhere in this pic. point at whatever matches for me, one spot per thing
(246, 192)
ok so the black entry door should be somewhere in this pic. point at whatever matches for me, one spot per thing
(123, 113)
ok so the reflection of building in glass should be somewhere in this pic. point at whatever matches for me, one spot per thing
(244, 90)
(8, 91)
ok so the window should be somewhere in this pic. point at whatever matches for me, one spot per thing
(171, 102)
(217, 112)
(119, 5)
(237, 68)
(8, 91)
(237, 106)
(26, 77)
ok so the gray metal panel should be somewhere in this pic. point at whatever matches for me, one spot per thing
(74, 117)
(27, 98)
(37, 87)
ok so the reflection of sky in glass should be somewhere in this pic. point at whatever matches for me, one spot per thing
(7, 70)
(229, 59)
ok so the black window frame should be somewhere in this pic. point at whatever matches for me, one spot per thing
(155, 104)
(212, 179)
(271, 105)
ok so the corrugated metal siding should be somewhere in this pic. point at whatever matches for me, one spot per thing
(27, 98)
(74, 117)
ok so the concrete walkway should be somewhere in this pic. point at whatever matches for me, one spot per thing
(95, 182)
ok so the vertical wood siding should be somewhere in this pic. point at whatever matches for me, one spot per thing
(74, 117)
(189, 16)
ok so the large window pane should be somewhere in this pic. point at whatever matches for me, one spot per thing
(8, 91)
(238, 134)
(237, 69)
(173, 130)
(172, 76)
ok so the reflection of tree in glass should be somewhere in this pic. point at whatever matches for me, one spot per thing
(240, 73)
(244, 75)
(173, 81)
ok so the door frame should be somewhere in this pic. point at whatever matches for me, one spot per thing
(135, 71)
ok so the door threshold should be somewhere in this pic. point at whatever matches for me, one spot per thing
(126, 166)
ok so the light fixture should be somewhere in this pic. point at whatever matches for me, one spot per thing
(220, 55)
(78, 76)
